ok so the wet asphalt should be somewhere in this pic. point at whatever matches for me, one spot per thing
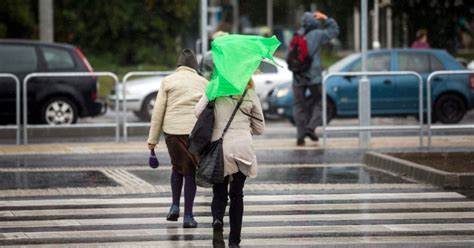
(287, 166)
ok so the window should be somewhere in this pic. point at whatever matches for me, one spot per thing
(267, 68)
(379, 62)
(57, 58)
(17, 58)
(435, 64)
(414, 62)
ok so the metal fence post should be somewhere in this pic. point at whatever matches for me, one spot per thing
(428, 102)
(419, 127)
(67, 74)
(17, 104)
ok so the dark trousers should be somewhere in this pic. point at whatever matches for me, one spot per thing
(233, 189)
(306, 109)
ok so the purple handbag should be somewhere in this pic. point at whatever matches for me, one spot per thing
(152, 160)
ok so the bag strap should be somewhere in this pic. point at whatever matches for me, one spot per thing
(251, 116)
(233, 113)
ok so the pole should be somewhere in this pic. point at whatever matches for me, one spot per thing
(270, 16)
(235, 16)
(204, 38)
(375, 26)
(364, 84)
(356, 29)
(46, 20)
(389, 26)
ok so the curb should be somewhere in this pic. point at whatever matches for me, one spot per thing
(418, 172)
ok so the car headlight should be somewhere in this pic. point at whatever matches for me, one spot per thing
(282, 92)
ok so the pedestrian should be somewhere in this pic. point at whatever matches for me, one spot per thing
(421, 39)
(318, 30)
(173, 113)
(240, 160)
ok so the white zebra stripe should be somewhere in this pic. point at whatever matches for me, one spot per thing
(249, 218)
(248, 198)
(263, 230)
(248, 208)
(449, 240)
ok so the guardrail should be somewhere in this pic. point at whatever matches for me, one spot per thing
(127, 76)
(17, 108)
(428, 102)
(372, 128)
(68, 74)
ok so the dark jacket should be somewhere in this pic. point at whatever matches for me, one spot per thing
(320, 34)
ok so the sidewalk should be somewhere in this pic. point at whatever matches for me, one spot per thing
(260, 144)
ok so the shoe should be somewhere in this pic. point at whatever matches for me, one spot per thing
(189, 222)
(312, 135)
(173, 214)
(300, 142)
(217, 225)
(218, 239)
(234, 245)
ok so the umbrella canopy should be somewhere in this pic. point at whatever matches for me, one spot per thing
(236, 58)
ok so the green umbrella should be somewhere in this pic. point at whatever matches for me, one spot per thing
(236, 58)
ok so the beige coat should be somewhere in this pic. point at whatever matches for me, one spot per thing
(173, 112)
(239, 152)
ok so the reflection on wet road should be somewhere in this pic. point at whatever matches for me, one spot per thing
(301, 198)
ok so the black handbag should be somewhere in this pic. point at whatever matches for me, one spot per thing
(201, 134)
(210, 169)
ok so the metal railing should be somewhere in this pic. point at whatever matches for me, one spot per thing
(127, 76)
(17, 104)
(428, 103)
(372, 128)
(68, 74)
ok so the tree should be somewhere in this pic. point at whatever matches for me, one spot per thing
(18, 19)
(132, 31)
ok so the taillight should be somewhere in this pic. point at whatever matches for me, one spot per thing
(94, 95)
(471, 81)
(85, 61)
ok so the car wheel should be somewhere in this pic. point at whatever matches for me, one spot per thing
(147, 107)
(449, 109)
(59, 111)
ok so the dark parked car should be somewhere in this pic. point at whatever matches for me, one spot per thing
(452, 95)
(51, 100)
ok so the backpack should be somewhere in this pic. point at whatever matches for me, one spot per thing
(299, 60)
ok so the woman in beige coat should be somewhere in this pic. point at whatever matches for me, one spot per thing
(173, 114)
(240, 160)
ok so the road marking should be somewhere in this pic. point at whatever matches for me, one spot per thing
(248, 209)
(265, 230)
(448, 240)
(166, 188)
(248, 218)
(248, 198)
(167, 167)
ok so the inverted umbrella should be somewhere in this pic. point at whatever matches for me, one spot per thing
(236, 58)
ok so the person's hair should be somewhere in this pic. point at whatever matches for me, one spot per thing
(251, 84)
(219, 34)
(188, 58)
(421, 33)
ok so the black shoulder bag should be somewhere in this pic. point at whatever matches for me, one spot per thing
(201, 134)
(210, 170)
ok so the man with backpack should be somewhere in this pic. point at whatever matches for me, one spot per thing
(304, 59)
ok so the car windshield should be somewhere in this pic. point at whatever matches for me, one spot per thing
(338, 66)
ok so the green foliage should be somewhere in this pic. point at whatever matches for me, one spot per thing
(17, 19)
(133, 32)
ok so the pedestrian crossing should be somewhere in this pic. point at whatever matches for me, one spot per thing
(395, 216)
